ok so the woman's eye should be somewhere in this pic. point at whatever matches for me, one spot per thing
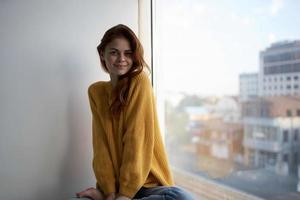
(128, 53)
(113, 53)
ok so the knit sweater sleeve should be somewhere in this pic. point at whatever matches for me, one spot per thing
(102, 163)
(138, 139)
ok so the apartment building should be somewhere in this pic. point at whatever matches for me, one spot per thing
(272, 132)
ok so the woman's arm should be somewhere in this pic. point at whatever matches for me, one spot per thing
(138, 138)
(102, 163)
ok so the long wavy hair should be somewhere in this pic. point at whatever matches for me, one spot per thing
(120, 92)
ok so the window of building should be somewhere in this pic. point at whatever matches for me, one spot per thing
(296, 77)
(298, 112)
(297, 56)
(285, 158)
(296, 158)
(289, 113)
(296, 86)
(296, 134)
(284, 68)
(288, 87)
(285, 136)
(288, 78)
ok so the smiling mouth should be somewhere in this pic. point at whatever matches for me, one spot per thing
(121, 66)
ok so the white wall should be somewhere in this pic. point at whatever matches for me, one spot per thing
(47, 60)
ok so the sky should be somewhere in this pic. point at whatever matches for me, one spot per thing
(203, 45)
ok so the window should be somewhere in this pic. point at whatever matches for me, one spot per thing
(296, 135)
(285, 136)
(280, 69)
(296, 158)
(288, 87)
(281, 57)
(289, 113)
(298, 112)
(198, 65)
(285, 158)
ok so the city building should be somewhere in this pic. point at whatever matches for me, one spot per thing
(223, 139)
(217, 131)
(218, 146)
(272, 133)
(248, 86)
(279, 72)
(228, 108)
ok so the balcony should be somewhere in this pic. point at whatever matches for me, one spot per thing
(262, 145)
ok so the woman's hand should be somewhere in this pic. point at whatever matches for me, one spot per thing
(91, 193)
(122, 198)
(111, 196)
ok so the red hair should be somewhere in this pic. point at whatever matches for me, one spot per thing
(121, 90)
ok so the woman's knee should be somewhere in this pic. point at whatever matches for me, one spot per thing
(181, 194)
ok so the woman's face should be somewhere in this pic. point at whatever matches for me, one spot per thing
(117, 56)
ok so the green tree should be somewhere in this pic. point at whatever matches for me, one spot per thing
(176, 123)
(189, 100)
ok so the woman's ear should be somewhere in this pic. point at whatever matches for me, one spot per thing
(101, 55)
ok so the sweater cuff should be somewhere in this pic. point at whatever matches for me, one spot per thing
(107, 190)
(128, 192)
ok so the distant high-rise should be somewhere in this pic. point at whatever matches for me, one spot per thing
(248, 86)
(279, 72)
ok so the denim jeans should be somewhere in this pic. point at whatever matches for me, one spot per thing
(163, 193)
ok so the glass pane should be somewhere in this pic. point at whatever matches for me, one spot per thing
(228, 71)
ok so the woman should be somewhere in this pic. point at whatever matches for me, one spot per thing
(129, 161)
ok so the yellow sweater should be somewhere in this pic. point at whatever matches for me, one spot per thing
(128, 151)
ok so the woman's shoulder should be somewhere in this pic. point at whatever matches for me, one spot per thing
(142, 79)
(97, 87)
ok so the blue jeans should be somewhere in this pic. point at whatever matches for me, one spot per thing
(163, 193)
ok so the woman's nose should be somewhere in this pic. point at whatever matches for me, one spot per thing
(122, 57)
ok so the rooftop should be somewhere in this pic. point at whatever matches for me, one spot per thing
(284, 44)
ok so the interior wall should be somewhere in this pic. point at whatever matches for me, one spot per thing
(48, 59)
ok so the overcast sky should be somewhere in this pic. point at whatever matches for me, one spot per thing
(203, 45)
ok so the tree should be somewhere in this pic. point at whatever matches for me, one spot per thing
(189, 100)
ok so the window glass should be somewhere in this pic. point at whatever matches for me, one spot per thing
(296, 135)
(227, 72)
